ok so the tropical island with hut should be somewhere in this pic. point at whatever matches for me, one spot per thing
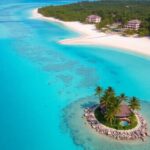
(116, 116)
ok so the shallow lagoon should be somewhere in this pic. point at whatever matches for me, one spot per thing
(41, 78)
(89, 138)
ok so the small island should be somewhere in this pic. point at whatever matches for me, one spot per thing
(117, 116)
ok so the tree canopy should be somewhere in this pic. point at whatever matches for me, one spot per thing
(112, 107)
(111, 11)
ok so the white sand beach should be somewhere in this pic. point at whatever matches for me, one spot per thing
(90, 36)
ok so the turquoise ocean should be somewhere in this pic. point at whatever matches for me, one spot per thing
(44, 86)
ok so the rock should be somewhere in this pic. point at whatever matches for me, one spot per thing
(85, 114)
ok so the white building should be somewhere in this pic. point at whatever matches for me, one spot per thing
(133, 24)
(93, 19)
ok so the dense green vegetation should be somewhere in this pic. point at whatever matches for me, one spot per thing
(111, 104)
(111, 11)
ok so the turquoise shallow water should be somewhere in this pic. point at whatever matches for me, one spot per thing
(83, 134)
(41, 79)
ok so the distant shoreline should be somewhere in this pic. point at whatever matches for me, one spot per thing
(90, 36)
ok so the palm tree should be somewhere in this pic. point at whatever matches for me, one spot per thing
(109, 116)
(122, 97)
(134, 104)
(110, 91)
(98, 91)
(116, 106)
(104, 100)
(108, 99)
(112, 104)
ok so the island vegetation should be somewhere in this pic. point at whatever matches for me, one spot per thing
(116, 116)
(115, 14)
(113, 109)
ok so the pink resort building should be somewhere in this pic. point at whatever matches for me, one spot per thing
(133, 24)
(93, 19)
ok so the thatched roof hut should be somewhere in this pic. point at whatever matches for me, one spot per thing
(124, 111)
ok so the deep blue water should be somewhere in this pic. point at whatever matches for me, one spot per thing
(39, 78)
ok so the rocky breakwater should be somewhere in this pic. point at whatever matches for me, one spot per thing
(139, 132)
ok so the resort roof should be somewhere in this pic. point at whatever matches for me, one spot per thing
(94, 16)
(125, 111)
(135, 21)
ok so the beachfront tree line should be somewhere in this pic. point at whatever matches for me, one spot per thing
(111, 11)
(112, 102)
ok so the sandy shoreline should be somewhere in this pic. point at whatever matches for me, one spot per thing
(90, 36)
